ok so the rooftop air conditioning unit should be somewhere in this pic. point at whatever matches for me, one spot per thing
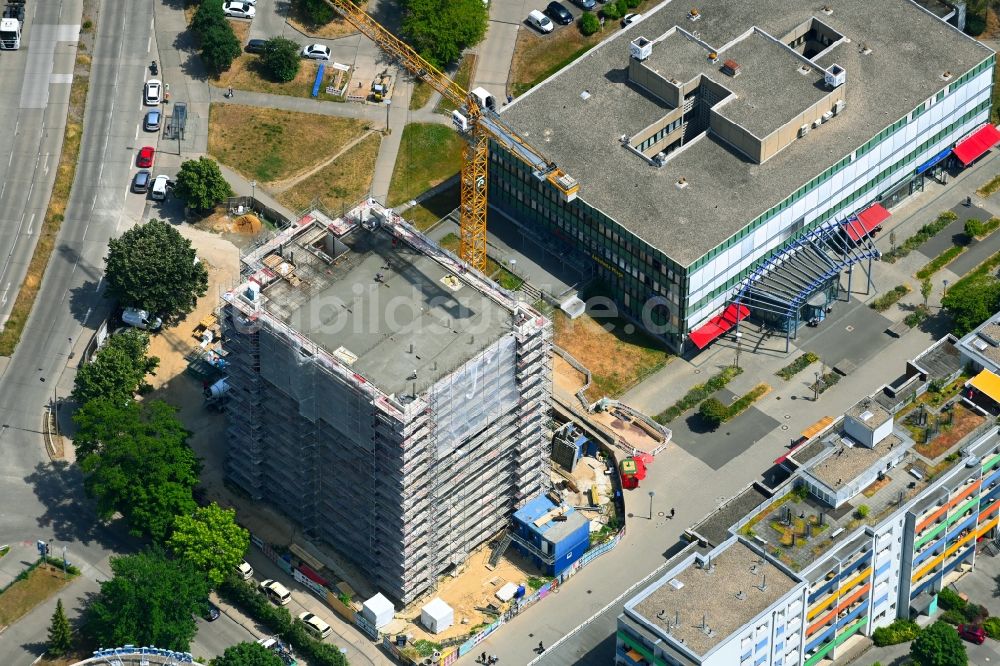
(640, 48)
(836, 76)
(838, 106)
(826, 116)
(804, 130)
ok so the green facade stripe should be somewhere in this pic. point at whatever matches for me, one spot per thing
(937, 530)
(845, 634)
(640, 648)
(991, 463)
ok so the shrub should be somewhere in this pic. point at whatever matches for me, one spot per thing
(697, 394)
(611, 12)
(280, 59)
(975, 24)
(924, 234)
(589, 23)
(974, 227)
(314, 13)
(862, 511)
(952, 617)
(916, 317)
(940, 261)
(744, 402)
(974, 613)
(899, 631)
(632, 4)
(948, 599)
(713, 412)
(622, 6)
(888, 299)
(798, 365)
(992, 627)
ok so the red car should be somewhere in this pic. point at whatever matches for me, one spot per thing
(972, 633)
(145, 159)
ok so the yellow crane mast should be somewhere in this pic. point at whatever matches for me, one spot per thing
(477, 118)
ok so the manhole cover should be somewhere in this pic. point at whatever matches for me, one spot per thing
(788, 416)
(849, 329)
(697, 372)
(784, 427)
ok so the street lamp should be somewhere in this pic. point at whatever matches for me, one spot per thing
(816, 387)
(253, 192)
(739, 339)
(388, 103)
(652, 494)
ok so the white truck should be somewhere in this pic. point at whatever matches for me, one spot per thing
(11, 24)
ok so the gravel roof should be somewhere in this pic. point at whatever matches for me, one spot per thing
(725, 191)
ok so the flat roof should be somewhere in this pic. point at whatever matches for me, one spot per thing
(846, 463)
(724, 190)
(715, 526)
(727, 595)
(869, 413)
(382, 302)
(941, 360)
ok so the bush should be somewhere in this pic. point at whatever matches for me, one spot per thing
(940, 261)
(713, 412)
(974, 228)
(862, 511)
(744, 402)
(888, 299)
(992, 627)
(948, 599)
(899, 631)
(916, 317)
(952, 617)
(314, 13)
(697, 394)
(974, 613)
(975, 24)
(632, 4)
(589, 23)
(924, 234)
(611, 12)
(280, 59)
(798, 365)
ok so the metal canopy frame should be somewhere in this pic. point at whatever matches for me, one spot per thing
(783, 283)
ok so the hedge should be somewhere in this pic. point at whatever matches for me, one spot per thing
(741, 405)
(924, 234)
(698, 393)
(989, 187)
(940, 261)
(798, 365)
(899, 631)
(992, 627)
(888, 299)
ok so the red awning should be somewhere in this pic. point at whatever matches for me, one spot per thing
(977, 143)
(716, 326)
(866, 221)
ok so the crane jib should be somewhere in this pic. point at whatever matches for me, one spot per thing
(510, 142)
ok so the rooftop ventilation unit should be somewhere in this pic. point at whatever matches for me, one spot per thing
(585, 95)
(676, 584)
(640, 48)
(804, 130)
(804, 69)
(838, 106)
(826, 9)
(836, 76)
(681, 183)
(731, 67)
(694, 15)
(826, 116)
(946, 76)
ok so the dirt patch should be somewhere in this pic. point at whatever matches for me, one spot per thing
(617, 359)
(963, 421)
(877, 486)
(628, 432)
(241, 28)
(271, 145)
(567, 380)
(236, 229)
(24, 595)
(341, 183)
(336, 28)
(474, 586)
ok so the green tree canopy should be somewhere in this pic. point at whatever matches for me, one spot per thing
(971, 302)
(281, 60)
(939, 645)
(136, 460)
(314, 13)
(118, 371)
(60, 633)
(219, 45)
(150, 600)
(200, 184)
(589, 23)
(211, 540)
(153, 267)
(713, 412)
(441, 29)
(247, 654)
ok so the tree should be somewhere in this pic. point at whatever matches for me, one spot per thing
(925, 290)
(939, 645)
(150, 600)
(281, 59)
(118, 371)
(713, 412)
(153, 267)
(200, 183)
(314, 13)
(247, 654)
(611, 12)
(211, 540)
(60, 633)
(136, 460)
(439, 30)
(971, 302)
(589, 23)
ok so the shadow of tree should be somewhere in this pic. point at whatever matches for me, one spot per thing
(68, 513)
(84, 300)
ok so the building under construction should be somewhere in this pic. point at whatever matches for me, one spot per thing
(384, 397)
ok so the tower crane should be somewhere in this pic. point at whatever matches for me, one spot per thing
(477, 119)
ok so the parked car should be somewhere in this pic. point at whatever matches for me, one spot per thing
(559, 13)
(140, 182)
(315, 626)
(152, 92)
(140, 319)
(239, 10)
(585, 4)
(276, 592)
(211, 613)
(316, 52)
(629, 19)
(256, 46)
(244, 570)
(539, 21)
(151, 123)
(159, 190)
(145, 158)
(972, 633)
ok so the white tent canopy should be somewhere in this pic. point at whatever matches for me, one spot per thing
(378, 610)
(437, 616)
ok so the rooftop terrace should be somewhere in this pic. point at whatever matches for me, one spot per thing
(888, 75)
(388, 310)
(737, 586)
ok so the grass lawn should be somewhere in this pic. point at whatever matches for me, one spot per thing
(426, 213)
(247, 74)
(341, 183)
(338, 27)
(617, 359)
(963, 422)
(463, 77)
(421, 93)
(428, 155)
(538, 56)
(24, 595)
(271, 144)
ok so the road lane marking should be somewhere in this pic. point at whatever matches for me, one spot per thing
(31, 224)
(149, 44)
(5, 290)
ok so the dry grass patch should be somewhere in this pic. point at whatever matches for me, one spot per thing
(336, 28)
(617, 359)
(271, 144)
(23, 595)
(342, 183)
(963, 421)
(428, 155)
(241, 28)
(247, 74)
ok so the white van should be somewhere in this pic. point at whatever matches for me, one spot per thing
(539, 21)
(276, 592)
(141, 319)
(159, 189)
